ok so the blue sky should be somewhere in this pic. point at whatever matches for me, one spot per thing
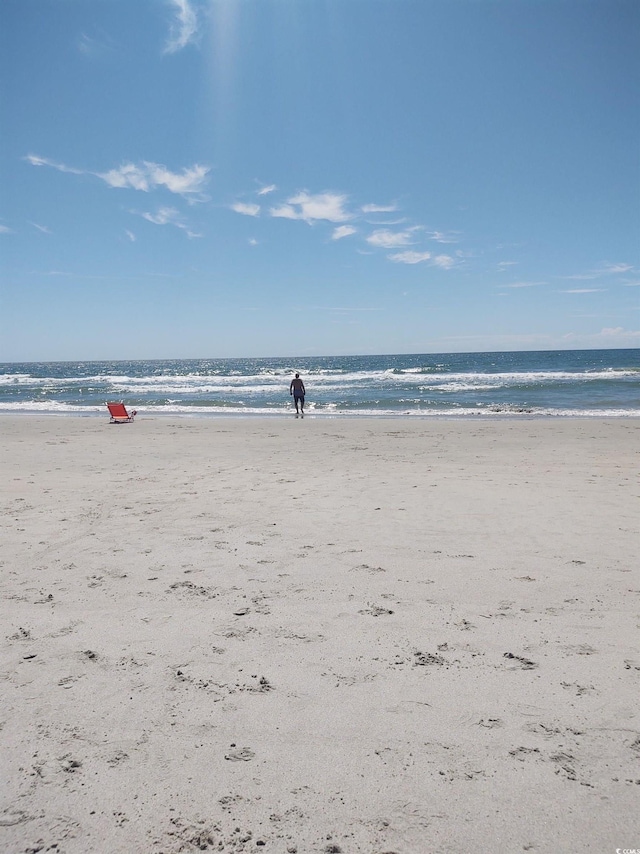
(210, 178)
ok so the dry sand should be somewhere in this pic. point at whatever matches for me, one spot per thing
(319, 636)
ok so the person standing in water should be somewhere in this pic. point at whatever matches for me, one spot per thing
(298, 391)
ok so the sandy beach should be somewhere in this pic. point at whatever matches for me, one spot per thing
(320, 635)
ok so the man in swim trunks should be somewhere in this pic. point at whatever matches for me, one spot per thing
(297, 390)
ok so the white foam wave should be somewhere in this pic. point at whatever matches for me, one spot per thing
(332, 409)
(48, 406)
(461, 386)
(329, 379)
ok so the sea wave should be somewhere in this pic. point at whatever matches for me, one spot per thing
(330, 410)
(328, 379)
(576, 382)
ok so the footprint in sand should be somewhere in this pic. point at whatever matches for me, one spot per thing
(69, 681)
(580, 649)
(241, 754)
(521, 753)
(426, 659)
(69, 764)
(580, 690)
(367, 568)
(10, 818)
(491, 723)
(21, 634)
(519, 661)
(376, 611)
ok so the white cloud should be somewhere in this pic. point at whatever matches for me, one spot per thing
(616, 268)
(143, 176)
(164, 216)
(443, 236)
(524, 284)
(148, 176)
(445, 262)
(409, 257)
(504, 264)
(188, 182)
(284, 212)
(4, 229)
(606, 270)
(618, 333)
(246, 209)
(264, 191)
(42, 228)
(378, 208)
(252, 241)
(397, 221)
(386, 239)
(168, 216)
(311, 208)
(184, 28)
(35, 160)
(584, 291)
(343, 231)
(127, 175)
(130, 235)
(343, 308)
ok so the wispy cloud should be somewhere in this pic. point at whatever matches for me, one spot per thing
(378, 221)
(264, 191)
(605, 270)
(524, 284)
(445, 262)
(86, 44)
(584, 291)
(34, 160)
(130, 235)
(4, 229)
(367, 209)
(164, 216)
(409, 257)
(95, 47)
(444, 236)
(143, 176)
(147, 176)
(245, 208)
(343, 308)
(168, 216)
(609, 335)
(184, 27)
(618, 333)
(343, 231)
(311, 208)
(385, 239)
(42, 228)
(616, 268)
(334, 207)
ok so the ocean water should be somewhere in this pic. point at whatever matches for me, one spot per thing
(545, 383)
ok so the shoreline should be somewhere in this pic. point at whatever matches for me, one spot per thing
(348, 634)
(590, 415)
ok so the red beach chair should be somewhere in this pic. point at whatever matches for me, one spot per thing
(119, 414)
